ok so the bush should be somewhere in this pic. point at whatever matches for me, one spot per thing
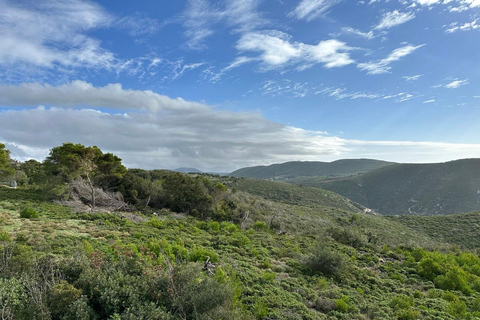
(4, 236)
(401, 302)
(408, 314)
(325, 305)
(259, 225)
(349, 236)
(326, 261)
(28, 213)
(61, 296)
(341, 305)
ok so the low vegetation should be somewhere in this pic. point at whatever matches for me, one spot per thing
(208, 247)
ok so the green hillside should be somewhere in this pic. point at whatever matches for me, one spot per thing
(82, 237)
(295, 169)
(460, 229)
(420, 189)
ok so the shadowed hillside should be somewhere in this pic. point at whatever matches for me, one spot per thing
(295, 169)
(422, 189)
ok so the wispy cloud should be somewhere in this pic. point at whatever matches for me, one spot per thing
(394, 18)
(294, 89)
(454, 27)
(138, 24)
(456, 83)
(213, 76)
(428, 2)
(412, 78)
(383, 65)
(201, 18)
(367, 35)
(49, 33)
(429, 101)
(276, 49)
(311, 9)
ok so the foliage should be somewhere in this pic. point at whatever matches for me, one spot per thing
(326, 261)
(28, 213)
(6, 168)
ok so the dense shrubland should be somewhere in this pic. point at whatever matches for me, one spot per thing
(210, 247)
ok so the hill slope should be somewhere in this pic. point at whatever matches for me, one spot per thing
(296, 169)
(324, 259)
(422, 189)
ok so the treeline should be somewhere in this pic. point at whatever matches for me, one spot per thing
(58, 175)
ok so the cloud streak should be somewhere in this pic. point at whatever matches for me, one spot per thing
(311, 9)
(383, 65)
(200, 19)
(393, 19)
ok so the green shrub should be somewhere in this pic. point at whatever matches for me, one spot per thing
(28, 213)
(156, 223)
(401, 302)
(326, 261)
(449, 296)
(349, 236)
(259, 225)
(325, 305)
(408, 314)
(457, 309)
(61, 296)
(4, 236)
(341, 305)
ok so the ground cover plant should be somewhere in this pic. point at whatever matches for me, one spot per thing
(210, 247)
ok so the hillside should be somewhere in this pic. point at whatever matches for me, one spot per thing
(460, 229)
(326, 262)
(100, 241)
(291, 170)
(421, 189)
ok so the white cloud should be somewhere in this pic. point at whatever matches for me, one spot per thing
(453, 27)
(412, 78)
(216, 76)
(180, 133)
(80, 93)
(428, 2)
(276, 49)
(383, 65)
(367, 35)
(429, 101)
(311, 9)
(138, 24)
(394, 18)
(49, 33)
(200, 19)
(456, 83)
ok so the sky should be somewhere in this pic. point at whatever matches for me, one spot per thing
(220, 85)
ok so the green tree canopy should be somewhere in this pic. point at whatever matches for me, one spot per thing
(6, 168)
(71, 161)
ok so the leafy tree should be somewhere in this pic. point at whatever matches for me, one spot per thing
(72, 161)
(6, 168)
(186, 194)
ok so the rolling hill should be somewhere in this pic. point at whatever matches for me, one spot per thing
(415, 189)
(296, 169)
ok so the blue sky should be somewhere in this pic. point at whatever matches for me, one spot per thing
(220, 85)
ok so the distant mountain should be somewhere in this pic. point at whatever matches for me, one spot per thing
(297, 169)
(188, 170)
(420, 189)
